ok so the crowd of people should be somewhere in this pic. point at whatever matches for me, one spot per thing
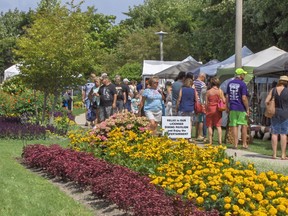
(103, 97)
(179, 98)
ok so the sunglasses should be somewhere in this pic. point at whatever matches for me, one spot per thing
(156, 82)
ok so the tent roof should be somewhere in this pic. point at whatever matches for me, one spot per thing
(249, 63)
(11, 71)
(259, 58)
(151, 67)
(186, 65)
(275, 67)
(211, 69)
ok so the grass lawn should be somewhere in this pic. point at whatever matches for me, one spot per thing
(23, 192)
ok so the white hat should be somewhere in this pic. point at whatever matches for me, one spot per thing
(126, 80)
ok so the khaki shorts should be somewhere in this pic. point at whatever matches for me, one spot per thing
(154, 115)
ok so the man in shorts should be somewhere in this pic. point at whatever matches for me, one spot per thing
(238, 106)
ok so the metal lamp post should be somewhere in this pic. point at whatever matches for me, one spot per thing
(238, 34)
(161, 35)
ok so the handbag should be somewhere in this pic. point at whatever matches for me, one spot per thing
(198, 107)
(221, 106)
(270, 106)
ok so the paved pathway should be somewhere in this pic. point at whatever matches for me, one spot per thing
(263, 162)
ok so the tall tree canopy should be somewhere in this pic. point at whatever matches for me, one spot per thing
(56, 49)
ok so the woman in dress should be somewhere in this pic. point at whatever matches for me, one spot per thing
(213, 116)
(152, 101)
(279, 122)
(186, 100)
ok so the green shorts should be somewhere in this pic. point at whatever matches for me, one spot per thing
(237, 118)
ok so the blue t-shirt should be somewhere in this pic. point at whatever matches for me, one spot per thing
(187, 100)
(153, 101)
(235, 89)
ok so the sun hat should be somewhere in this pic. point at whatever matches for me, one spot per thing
(284, 78)
(126, 80)
(240, 71)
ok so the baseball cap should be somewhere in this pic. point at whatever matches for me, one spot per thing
(240, 71)
(104, 76)
(126, 80)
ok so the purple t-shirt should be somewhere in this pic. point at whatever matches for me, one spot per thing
(235, 89)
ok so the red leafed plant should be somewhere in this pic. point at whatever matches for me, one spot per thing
(128, 189)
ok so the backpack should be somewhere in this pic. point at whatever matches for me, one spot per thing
(91, 114)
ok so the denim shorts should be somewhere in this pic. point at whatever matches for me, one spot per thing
(279, 126)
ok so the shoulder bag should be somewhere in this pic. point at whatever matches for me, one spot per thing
(270, 106)
(221, 106)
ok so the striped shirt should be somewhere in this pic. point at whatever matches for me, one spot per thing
(199, 85)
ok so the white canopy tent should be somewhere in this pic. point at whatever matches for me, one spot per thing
(11, 71)
(152, 67)
(172, 72)
(249, 63)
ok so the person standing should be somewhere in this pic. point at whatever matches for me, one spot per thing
(176, 86)
(200, 118)
(213, 115)
(238, 106)
(263, 95)
(279, 122)
(186, 100)
(85, 92)
(108, 98)
(128, 98)
(121, 94)
(152, 103)
(94, 97)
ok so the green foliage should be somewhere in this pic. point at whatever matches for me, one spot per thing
(16, 100)
(11, 27)
(131, 71)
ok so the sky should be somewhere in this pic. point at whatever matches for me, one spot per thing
(107, 7)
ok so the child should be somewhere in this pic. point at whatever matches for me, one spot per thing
(135, 103)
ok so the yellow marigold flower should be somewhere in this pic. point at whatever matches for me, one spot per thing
(199, 200)
(227, 199)
(259, 197)
(205, 194)
(241, 201)
(227, 206)
(180, 191)
(271, 194)
(203, 186)
(281, 208)
(235, 208)
(213, 197)
(189, 172)
(241, 195)
(252, 206)
(272, 211)
(226, 161)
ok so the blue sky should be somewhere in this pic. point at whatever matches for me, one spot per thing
(107, 7)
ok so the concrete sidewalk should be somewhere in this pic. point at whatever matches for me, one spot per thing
(262, 161)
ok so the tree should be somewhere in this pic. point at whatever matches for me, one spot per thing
(56, 50)
(11, 27)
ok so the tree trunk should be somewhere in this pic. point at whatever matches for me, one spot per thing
(44, 107)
